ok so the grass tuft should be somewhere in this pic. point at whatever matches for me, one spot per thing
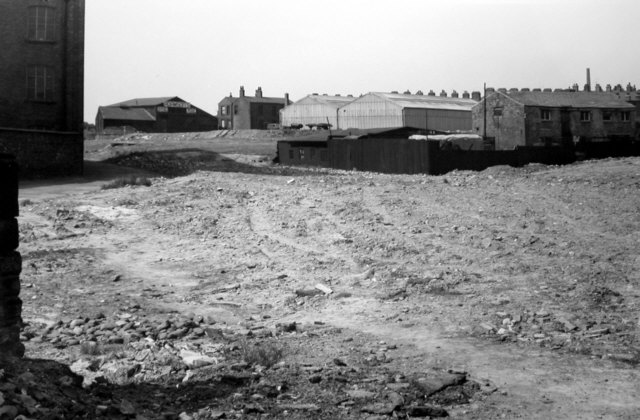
(264, 354)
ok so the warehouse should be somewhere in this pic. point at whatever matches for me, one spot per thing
(154, 115)
(42, 85)
(393, 110)
(313, 110)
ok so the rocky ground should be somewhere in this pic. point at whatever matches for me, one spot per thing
(234, 288)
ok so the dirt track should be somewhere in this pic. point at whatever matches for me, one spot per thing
(525, 279)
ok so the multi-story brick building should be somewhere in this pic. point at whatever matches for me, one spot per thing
(250, 112)
(538, 118)
(41, 84)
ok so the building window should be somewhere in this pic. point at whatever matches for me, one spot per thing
(497, 111)
(41, 25)
(607, 116)
(585, 116)
(235, 109)
(625, 116)
(545, 115)
(223, 110)
(39, 83)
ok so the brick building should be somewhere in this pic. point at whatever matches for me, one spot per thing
(41, 84)
(539, 118)
(250, 112)
(155, 115)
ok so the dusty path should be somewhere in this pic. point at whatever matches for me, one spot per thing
(415, 261)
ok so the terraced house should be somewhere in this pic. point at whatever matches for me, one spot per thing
(41, 84)
(542, 118)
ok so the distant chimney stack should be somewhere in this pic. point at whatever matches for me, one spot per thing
(394, 91)
(419, 93)
(241, 92)
(576, 88)
(536, 90)
(407, 92)
(513, 90)
(608, 87)
(454, 94)
(587, 87)
(443, 94)
(465, 95)
(259, 92)
(502, 90)
(547, 90)
(286, 99)
(525, 90)
(431, 93)
(476, 96)
(598, 87)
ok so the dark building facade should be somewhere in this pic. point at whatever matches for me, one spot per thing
(41, 84)
(250, 112)
(538, 118)
(154, 115)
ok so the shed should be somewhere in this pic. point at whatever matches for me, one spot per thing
(314, 109)
(393, 110)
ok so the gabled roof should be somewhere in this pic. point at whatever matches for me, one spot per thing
(143, 102)
(568, 99)
(333, 101)
(131, 114)
(427, 101)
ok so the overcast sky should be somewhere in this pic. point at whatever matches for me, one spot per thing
(201, 50)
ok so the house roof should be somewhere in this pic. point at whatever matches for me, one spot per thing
(427, 101)
(568, 99)
(143, 102)
(131, 114)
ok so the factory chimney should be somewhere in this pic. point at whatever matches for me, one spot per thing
(587, 87)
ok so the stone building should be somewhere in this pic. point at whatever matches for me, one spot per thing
(538, 118)
(41, 84)
(250, 112)
(154, 115)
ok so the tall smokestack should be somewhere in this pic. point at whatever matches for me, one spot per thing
(588, 85)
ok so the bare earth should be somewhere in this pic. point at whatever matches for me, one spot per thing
(516, 291)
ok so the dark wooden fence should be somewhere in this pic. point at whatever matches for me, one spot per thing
(403, 156)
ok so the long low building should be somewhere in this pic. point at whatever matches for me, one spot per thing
(392, 110)
(169, 114)
(313, 110)
(377, 110)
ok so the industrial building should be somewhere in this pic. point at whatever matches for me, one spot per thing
(543, 118)
(169, 114)
(393, 110)
(42, 85)
(250, 112)
(314, 109)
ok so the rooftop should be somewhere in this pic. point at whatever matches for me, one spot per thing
(428, 101)
(569, 99)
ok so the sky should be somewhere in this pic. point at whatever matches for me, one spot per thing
(203, 50)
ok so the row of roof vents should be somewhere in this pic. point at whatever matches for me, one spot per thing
(454, 94)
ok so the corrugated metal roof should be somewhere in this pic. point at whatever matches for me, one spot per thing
(569, 99)
(428, 101)
(146, 101)
(333, 101)
(131, 114)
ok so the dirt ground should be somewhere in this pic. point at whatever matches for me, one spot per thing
(234, 288)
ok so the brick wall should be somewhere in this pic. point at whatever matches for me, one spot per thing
(61, 108)
(43, 154)
(10, 261)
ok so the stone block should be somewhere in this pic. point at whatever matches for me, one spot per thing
(10, 264)
(10, 312)
(10, 341)
(8, 187)
(8, 235)
(9, 287)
